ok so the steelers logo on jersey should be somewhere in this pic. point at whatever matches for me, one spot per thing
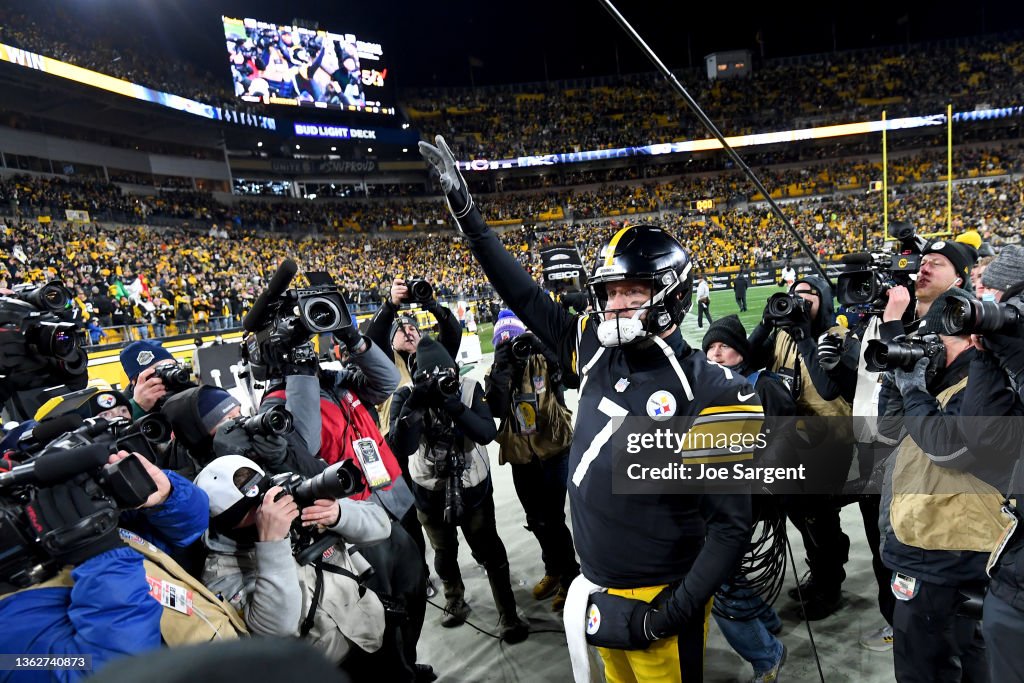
(661, 405)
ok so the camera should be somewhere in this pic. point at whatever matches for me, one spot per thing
(970, 316)
(902, 353)
(340, 480)
(420, 291)
(26, 558)
(870, 276)
(52, 354)
(117, 434)
(785, 310)
(443, 380)
(175, 376)
(282, 321)
(275, 422)
(522, 348)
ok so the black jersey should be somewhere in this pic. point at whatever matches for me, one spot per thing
(661, 378)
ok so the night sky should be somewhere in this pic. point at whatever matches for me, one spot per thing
(431, 42)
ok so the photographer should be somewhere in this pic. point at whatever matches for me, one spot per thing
(326, 601)
(398, 335)
(140, 361)
(442, 424)
(786, 346)
(98, 598)
(940, 512)
(525, 394)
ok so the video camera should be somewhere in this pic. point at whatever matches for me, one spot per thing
(786, 309)
(902, 353)
(870, 275)
(961, 315)
(47, 352)
(282, 321)
(340, 480)
(26, 558)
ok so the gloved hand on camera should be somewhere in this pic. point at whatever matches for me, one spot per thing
(350, 335)
(907, 381)
(830, 350)
(73, 524)
(419, 395)
(456, 192)
(271, 450)
(619, 623)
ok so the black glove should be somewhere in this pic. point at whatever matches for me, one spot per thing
(454, 185)
(503, 357)
(350, 336)
(73, 524)
(619, 623)
(830, 349)
(419, 396)
(454, 406)
(909, 380)
(271, 450)
(1008, 350)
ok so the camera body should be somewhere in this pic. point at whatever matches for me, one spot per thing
(902, 353)
(786, 309)
(420, 291)
(275, 422)
(444, 381)
(970, 316)
(175, 376)
(522, 348)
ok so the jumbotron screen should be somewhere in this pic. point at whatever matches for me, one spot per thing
(297, 66)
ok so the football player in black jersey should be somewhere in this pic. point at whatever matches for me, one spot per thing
(649, 563)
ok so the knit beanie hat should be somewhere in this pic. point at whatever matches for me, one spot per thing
(400, 323)
(507, 327)
(1007, 270)
(958, 254)
(139, 355)
(729, 331)
(431, 354)
(213, 404)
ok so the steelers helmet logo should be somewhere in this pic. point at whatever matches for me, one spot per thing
(106, 401)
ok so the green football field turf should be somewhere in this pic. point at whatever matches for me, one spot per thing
(723, 302)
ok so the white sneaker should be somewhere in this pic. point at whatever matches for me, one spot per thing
(878, 641)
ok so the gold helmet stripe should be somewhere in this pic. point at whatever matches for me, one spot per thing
(609, 252)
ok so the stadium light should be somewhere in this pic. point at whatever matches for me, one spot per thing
(297, 147)
(334, 149)
(369, 149)
(259, 144)
(405, 149)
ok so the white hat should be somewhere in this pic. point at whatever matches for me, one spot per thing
(218, 481)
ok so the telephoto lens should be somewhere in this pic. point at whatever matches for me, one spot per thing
(448, 383)
(961, 315)
(340, 480)
(420, 291)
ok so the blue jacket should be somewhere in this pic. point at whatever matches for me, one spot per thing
(108, 613)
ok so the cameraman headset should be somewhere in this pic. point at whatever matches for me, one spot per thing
(788, 348)
(940, 512)
(675, 550)
(442, 424)
(524, 391)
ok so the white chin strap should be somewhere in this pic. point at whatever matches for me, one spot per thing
(621, 331)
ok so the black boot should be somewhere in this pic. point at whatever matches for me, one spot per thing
(455, 608)
(513, 629)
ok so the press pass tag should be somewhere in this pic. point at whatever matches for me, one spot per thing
(904, 587)
(526, 413)
(373, 467)
(1004, 538)
(170, 595)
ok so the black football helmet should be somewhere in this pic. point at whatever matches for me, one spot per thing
(646, 253)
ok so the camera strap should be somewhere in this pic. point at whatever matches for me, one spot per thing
(318, 591)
